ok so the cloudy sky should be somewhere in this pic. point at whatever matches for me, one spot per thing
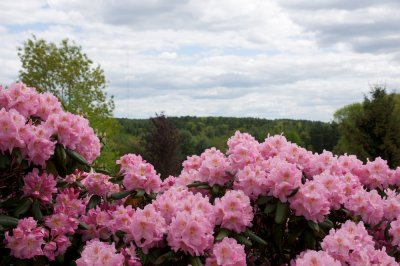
(253, 58)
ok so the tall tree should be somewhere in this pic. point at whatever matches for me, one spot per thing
(161, 146)
(374, 129)
(68, 73)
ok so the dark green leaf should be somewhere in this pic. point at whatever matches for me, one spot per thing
(61, 156)
(243, 240)
(37, 213)
(199, 184)
(216, 189)
(314, 226)
(195, 261)
(8, 221)
(222, 234)
(165, 257)
(309, 239)
(254, 237)
(326, 225)
(263, 200)
(120, 195)
(270, 208)
(83, 226)
(93, 202)
(77, 157)
(23, 207)
(294, 192)
(282, 212)
(120, 234)
(139, 193)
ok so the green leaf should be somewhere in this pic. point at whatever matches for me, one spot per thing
(8, 221)
(386, 232)
(314, 226)
(199, 185)
(326, 224)
(278, 234)
(282, 212)
(120, 195)
(263, 200)
(309, 239)
(120, 234)
(61, 156)
(37, 213)
(4, 161)
(51, 168)
(139, 193)
(243, 240)
(294, 192)
(77, 157)
(195, 261)
(165, 257)
(294, 233)
(83, 226)
(222, 234)
(23, 207)
(255, 237)
(93, 202)
(216, 189)
(270, 208)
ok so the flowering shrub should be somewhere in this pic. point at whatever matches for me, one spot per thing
(270, 203)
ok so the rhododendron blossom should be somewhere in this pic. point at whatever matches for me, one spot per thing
(39, 186)
(228, 253)
(99, 253)
(234, 211)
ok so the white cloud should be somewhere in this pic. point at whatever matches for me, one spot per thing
(255, 58)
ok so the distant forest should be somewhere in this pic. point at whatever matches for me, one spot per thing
(198, 133)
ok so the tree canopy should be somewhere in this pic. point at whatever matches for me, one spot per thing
(67, 72)
(372, 128)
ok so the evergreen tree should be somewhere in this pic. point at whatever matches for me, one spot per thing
(161, 146)
(372, 129)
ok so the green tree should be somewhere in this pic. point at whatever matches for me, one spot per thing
(372, 128)
(68, 73)
(161, 146)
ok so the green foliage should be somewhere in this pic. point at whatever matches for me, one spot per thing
(69, 74)
(372, 128)
(161, 144)
(199, 133)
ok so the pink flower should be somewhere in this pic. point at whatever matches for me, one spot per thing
(27, 239)
(192, 163)
(99, 184)
(190, 232)
(10, 124)
(39, 186)
(252, 181)
(394, 232)
(139, 174)
(228, 253)
(272, 146)
(315, 258)
(97, 221)
(243, 150)
(234, 211)
(213, 167)
(100, 253)
(311, 201)
(334, 187)
(68, 202)
(282, 179)
(147, 227)
(122, 219)
(349, 238)
(368, 204)
(61, 224)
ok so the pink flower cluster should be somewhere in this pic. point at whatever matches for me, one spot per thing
(27, 239)
(39, 186)
(28, 120)
(99, 253)
(353, 245)
(315, 258)
(99, 184)
(227, 253)
(234, 211)
(139, 174)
